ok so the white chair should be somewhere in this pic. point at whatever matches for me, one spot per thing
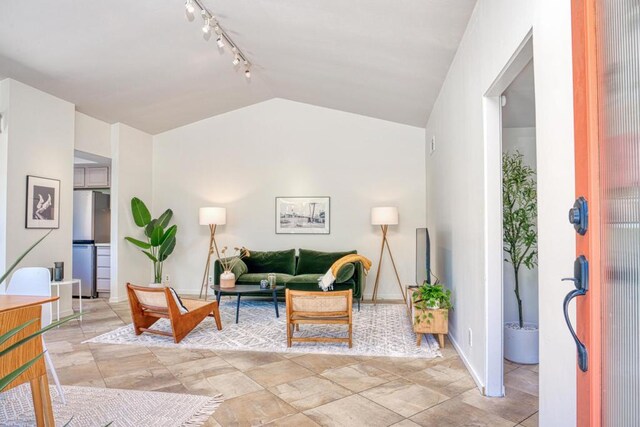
(36, 281)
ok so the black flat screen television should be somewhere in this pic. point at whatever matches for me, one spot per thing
(423, 256)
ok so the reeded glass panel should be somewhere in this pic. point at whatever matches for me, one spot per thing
(619, 92)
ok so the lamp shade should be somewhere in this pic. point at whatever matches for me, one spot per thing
(384, 216)
(211, 216)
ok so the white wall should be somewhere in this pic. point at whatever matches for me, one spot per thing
(4, 152)
(92, 135)
(455, 184)
(39, 138)
(244, 159)
(131, 158)
(524, 141)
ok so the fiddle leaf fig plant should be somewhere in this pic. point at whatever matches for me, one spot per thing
(519, 215)
(160, 238)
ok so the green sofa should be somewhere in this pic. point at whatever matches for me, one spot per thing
(299, 272)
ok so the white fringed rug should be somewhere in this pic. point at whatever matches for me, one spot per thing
(378, 330)
(91, 406)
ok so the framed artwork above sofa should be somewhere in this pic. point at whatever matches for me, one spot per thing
(303, 215)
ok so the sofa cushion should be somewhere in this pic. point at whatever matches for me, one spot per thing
(305, 278)
(316, 262)
(345, 273)
(255, 278)
(272, 262)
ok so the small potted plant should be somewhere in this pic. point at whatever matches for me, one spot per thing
(228, 277)
(430, 310)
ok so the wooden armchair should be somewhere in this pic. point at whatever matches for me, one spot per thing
(150, 304)
(318, 308)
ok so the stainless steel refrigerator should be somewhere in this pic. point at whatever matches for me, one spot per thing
(91, 225)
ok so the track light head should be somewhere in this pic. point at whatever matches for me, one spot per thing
(220, 42)
(190, 8)
(206, 27)
(247, 73)
(236, 60)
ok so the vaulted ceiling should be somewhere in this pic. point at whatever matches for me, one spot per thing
(143, 63)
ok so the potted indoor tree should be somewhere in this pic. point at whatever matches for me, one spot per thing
(519, 213)
(430, 310)
(159, 240)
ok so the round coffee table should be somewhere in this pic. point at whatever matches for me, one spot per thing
(240, 290)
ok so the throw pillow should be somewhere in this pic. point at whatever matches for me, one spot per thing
(345, 273)
(178, 301)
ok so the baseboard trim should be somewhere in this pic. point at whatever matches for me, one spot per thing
(464, 359)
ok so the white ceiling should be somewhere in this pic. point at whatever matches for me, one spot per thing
(520, 110)
(143, 63)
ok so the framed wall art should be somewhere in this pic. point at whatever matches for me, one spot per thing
(43, 202)
(303, 215)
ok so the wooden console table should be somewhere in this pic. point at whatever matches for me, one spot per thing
(16, 310)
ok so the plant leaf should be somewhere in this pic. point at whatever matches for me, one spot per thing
(156, 236)
(150, 255)
(148, 230)
(166, 249)
(21, 257)
(7, 379)
(138, 243)
(4, 337)
(163, 220)
(171, 232)
(141, 215)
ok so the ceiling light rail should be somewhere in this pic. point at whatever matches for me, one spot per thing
(211, 25)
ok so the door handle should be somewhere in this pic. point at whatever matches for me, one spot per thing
(581, 281)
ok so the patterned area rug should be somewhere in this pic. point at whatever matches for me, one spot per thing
(378, 330)
(90, 406)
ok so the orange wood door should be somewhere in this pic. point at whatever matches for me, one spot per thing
(585, 81)
(606, 61)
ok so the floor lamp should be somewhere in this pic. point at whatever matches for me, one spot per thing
(212, 217)
(384, 217)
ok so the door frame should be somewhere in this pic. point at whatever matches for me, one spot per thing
(586, 129)
(494, 255)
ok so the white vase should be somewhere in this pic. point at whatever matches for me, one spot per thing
(227, 280)
(521, 345)
(156, 285)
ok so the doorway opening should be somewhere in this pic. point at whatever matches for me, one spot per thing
(510, 89)
(91, 225)
(519, 234)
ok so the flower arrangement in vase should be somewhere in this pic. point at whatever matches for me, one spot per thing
(228, 263)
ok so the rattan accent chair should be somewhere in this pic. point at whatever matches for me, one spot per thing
(305, 307)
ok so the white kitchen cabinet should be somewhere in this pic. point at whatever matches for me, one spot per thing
(103, 268)
(96, 177)
(78, 177)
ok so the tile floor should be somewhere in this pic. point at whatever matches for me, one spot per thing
(293, 389)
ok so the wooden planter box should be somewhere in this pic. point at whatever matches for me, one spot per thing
(435, 322)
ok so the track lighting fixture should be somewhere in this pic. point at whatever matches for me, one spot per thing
(189, 7)
(223, 40)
